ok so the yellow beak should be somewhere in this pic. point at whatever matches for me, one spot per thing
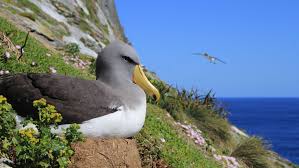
(141, 80)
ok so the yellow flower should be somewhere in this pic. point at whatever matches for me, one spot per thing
(29, 132)
(34, 140)
(51, 108)
(41, 102)
(3, 99)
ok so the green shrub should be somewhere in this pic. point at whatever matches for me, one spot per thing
(253, 152)
(72, 48)
(72, 134)
(7, 118)
(47, 113)
(34, 145)
(92, 66)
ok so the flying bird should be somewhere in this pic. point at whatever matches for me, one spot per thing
(113, 105)
(210, 58)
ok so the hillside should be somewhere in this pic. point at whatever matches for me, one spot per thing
(181, 130)
(90, 24)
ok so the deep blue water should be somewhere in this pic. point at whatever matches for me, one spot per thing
(274, 119)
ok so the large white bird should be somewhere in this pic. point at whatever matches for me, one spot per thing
(210, 58)
(114, 105)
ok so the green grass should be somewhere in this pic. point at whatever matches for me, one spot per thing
(34, 8)
(188, 106)
(176, 151)
(35, 51)
(58, 29)
(253, 152)
(105, 29)
(84, 26)
(92, 12)
(28, 15)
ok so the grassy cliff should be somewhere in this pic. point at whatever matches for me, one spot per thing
(182, 130)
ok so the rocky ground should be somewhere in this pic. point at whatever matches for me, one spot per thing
(90, 24)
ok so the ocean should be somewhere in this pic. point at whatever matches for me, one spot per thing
(274, 119)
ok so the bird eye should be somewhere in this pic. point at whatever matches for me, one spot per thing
(128, 59)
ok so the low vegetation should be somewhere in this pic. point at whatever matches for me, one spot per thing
(72, 49)
(190, 106)
(32, 144)
(253, 152)
(35, 52)
(161, 142)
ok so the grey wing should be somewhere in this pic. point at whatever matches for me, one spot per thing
(220, 60)
(197, 54)
(76, 99)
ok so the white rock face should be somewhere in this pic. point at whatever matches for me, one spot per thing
(76, 35)
(238, 131)
(82, 6)
(91, 26)
(49, 9)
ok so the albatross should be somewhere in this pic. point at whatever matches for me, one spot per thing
(113, 105)
(212, 59)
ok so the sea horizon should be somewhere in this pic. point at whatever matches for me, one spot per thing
(276, 119)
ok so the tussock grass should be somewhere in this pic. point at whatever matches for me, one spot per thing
(186, 105)
(253, 152)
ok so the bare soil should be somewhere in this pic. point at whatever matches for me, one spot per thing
(105, 153)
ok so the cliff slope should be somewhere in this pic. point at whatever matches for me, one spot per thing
(91, 24)
(180, 131)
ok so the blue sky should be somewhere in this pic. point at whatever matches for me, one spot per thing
(259, 40)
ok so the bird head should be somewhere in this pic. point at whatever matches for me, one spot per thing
(119, 63)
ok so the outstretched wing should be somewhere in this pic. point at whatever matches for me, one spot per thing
(76, 99)
(202, 54)
(197, 54)
(220, 60)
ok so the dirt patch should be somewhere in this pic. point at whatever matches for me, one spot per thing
(106, 153)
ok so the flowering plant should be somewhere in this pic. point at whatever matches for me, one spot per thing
(34, 145)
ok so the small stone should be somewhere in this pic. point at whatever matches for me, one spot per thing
(1, 72)
(4, 161)
(7, 55)
(52, 70)
(49, 55)
(19, 47)
(163, 140)
(6, 72)
(168, 115)
(33, 64)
